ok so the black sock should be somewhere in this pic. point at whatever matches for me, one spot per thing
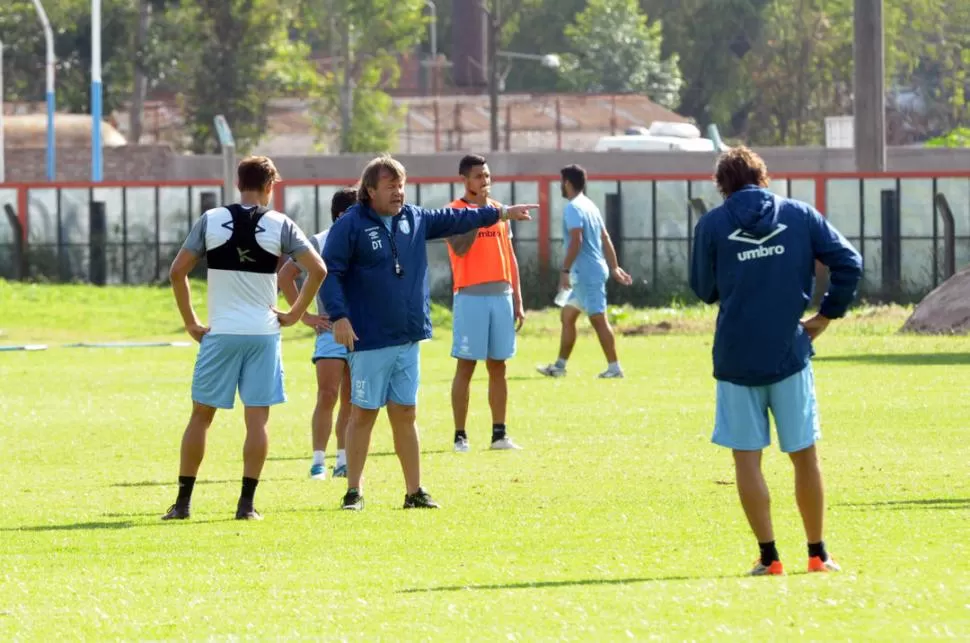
(460, 435)
(768, 553)
(248, 489)
(498, 432)
(818, 549)
(186, 484)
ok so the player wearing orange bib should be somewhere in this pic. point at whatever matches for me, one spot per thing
(487, 306)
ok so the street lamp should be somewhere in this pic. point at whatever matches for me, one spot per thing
(49, 38)
(97, 162)
(496, 81)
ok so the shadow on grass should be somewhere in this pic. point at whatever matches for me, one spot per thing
(378, 454)
(925, 503)
(112, 525)
(901, 359)
(563, 583)
(174, 483)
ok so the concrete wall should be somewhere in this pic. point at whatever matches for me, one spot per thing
(159, 163)
(503, 164)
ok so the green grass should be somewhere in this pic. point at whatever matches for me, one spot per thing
(619, 519)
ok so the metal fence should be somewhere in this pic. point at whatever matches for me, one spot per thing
(893, 219)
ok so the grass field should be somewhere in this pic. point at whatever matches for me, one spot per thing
(619, 519)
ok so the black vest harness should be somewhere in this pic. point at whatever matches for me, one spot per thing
(242, 253)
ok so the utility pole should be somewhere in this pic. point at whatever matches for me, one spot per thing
(347, 93)
(869, 122)
(494, 25)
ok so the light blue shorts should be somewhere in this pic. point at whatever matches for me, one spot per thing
(741, 421)
(385, 375)
(251, 363)
(589, 297)
(484, 327)
(326, 347)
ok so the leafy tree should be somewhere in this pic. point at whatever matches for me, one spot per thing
(614, 49)
(351, 104)
(243, 58)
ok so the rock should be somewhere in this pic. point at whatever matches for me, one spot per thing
(945, 311)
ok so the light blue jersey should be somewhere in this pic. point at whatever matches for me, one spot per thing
(590, 265)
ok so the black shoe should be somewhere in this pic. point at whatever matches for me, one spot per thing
(353, 501)
(419, 500)
(246, 511)
(178, 511)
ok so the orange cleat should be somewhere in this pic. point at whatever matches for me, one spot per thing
(816, 564)
(774, 569)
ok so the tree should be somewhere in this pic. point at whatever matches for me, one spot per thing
(614, 49)
(711, 39)
(351, 103)
(243, 59)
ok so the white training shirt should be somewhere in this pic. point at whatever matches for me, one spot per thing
(240, 303)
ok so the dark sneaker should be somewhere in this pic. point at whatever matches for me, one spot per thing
(419, 500)
(353, 501)
(178, 511)
(246, 511)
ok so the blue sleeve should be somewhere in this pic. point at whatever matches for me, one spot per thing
(572, 217)
(703, 280)
(446, 222)
(843, 261)
(338, 252)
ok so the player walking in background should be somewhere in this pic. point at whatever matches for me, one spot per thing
(242, 244)
(377, 296)
(487, 306)
(329, 358)
(589, 263)
(756, 254)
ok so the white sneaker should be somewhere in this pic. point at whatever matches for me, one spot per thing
(318, 472)
(461, 446)
(505, 444)
(611, 375)
(551, 370)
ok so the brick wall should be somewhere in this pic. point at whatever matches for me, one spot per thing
(130, 163)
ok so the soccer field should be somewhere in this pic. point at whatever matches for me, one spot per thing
(618, 520)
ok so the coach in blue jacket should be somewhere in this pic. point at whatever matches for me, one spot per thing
(378, 299)
(756, 255)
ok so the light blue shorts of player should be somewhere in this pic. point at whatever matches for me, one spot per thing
(326, 347)
(251, 363)
(484, 327)
(741, 421)
(589, 297)
(385, 375)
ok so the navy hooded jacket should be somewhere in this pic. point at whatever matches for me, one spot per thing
(386, 309)
(756, 254)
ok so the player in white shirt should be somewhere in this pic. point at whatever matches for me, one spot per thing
(329, 358)
(240, 348)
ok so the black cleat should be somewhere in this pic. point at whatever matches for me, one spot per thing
(246, 511)
(178, 511)
(419, 500)
(353, 501)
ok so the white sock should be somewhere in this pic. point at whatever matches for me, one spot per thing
(613, 367)
(341, 457)
(319, 457)
(561, 363)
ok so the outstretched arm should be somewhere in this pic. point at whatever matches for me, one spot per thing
(446, 222)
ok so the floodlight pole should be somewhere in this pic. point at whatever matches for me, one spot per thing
(228, 146)
(97, 160)
(49, 38)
